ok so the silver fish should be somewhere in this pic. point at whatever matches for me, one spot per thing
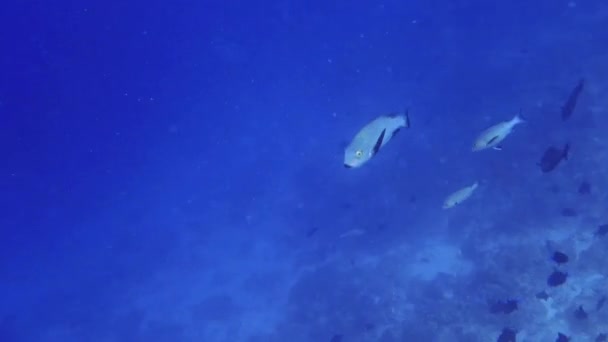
(493, 136)
(459, 196)
(372, 137)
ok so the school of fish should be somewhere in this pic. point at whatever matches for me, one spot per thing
(376, 134)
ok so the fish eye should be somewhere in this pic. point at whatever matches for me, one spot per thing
(359, 153)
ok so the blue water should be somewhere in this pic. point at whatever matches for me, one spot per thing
(173, 171)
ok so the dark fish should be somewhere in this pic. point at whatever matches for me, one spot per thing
(584, 188)
(346, 206)
(559, 257)
(568, 107)
(505, 307)
(562, 338)
(507, 335)
(580, 313)
(336, 338)
(382, 226)
(552, 157)
(600, 303)
(601, 338)
(568, 212)
(542, 295)
(601, 230)
(557, 278)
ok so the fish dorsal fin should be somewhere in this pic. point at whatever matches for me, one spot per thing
(379, 142)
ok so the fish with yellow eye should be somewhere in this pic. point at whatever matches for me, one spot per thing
(372, 137)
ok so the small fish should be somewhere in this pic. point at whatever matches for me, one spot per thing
(459, 196)
(505, 307)
(507, 335)
(562, 338)
(542, 295)
(493, 136)
(352, 233)
(559, 257)
(584, 188)
(372, 137)
(552, 157)
(580, 313)
(336, 338)
(600, 303)
(601, 230)
(557, 278)
(568, 107)
(568, 212)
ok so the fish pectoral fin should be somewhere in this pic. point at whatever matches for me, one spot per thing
(492, 140)
(378, 143)
(498, 148)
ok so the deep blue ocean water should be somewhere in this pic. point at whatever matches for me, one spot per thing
(173, 171)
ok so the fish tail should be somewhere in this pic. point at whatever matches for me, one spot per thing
(520, 118)
(581, 83)
(406, 115)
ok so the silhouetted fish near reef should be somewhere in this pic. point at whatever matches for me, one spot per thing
(557, 278)
(568, 212)
(507, 335)
(580, 313)
(559, 257)
(552, 157)
(584, 188)
(505, 307)
(568, 107)
(601, 230)
(600, 303)
(542, 295)
(562, 338)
